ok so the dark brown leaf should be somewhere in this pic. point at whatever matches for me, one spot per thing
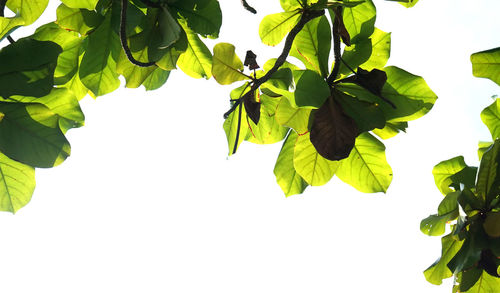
(333, 133)
(252, 107)
(373, 81)
(251, 60)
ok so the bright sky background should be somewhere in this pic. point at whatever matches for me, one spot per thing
(149, 201)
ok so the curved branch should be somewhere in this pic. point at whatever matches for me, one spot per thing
(123, 37)
(2, 8)
(305, 18)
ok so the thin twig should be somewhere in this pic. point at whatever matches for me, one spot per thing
(305, 18)
(248, 7)
(123, 37)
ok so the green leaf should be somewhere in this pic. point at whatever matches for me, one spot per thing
(288, 179)
(405, 3)
(491, 224)
(487, 64)
(274, 27)
(312, 45)
(29, 11)
(444, 171)
(355, 55)
(227, 67)
(381, 50)
(134, 75)
(485, 284)
(98, 66)
(410, 93)
(236, 126)
(293, 117)
(360, 20)
(390, 129)
(86, 4)
(78, 20)
(205, 20)
(434, 225)
(25, 73)
(311, 90)
(488, 177)
(17, 183)
(467, 256)
(439, 270)
(30, 134)
(9, 24)
(491, 118)
(156, 79)
(483, 146)
(367, 116)
(366, 168)
(196, 61)
(268, 130)
(310, 165)
(170, 30)
(289, 5)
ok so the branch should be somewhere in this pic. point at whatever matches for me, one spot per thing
(123, 37)
(2, 8)
(248, 7)
(305, 18)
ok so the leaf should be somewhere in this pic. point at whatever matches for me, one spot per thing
(333, 133)
(227, 67)
(355, 55)
(488, 177)
(310, 165)
(156, 79)
(312, 45)
(29, 11)
(485, 284)
(235, 125)
(491, 224)
(467, 256)
(390, 129)
(30, 134)
(491, 118)
(253, 106)
(98, 66)
(17, 183)
(196, 61)
(251, 60)
(487, 64)
(288, 179)
(311, 90)
(439, 270)
(444, 171)
(86, 4)
(483, 146)
(268, 130)
(366, 168)
(25, 73)
(367, 116)
(360, 20)
(205, 20)
(274, 27)
(170, 30)
(134, 75)
(381, 50)
(293, 117)
(289, 5)
(78, 20)
(434, 225)
(410, 93)
(9, 24)
(405, 3)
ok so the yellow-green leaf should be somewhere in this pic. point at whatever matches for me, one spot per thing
(227, 67)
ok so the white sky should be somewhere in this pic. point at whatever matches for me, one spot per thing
(149, 202)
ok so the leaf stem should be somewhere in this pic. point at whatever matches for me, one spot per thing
(123, 37)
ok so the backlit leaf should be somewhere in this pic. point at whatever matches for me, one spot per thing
(196, 61)
(381, 50)
(439, 270)
(311, 90)
(293, 117)
(360, 20)
(156, 79)
(487, 64)
(29, 11)
(203, 19)
(366, 168)
(274, 27)
(77, 19)
(485, 284)
(444, 171)
(367, 116)
(288, 179)
(170, 31)
(491, 118)
(134, 75)
(86, 4)
(268, 130)
(488, 177)
(310, 165)
(226, 67)
(236, 126)
(434, 225)
(17, 183)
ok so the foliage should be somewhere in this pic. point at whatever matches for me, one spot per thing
(471, 208)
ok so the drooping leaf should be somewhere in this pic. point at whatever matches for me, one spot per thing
(30, 134)
(29, 11)
(491, 118)
(274, 27)
(488, 177)
(288, 179)
(25, 73)
(333, 133)
(444, 171)
(227, 67)
(86, 4)
(98, 67)
(17, 183)
(253, 106)
(236, 126)
(267, 130)
(293, 117)
(434, 225)
(312, 45)
(360, 20)
(196, 61)
(366, 168)
(439, 271)
(487, 64)
(78, 20)
(204, 19)
(311, 90)
(310, 165)
(409, 93)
